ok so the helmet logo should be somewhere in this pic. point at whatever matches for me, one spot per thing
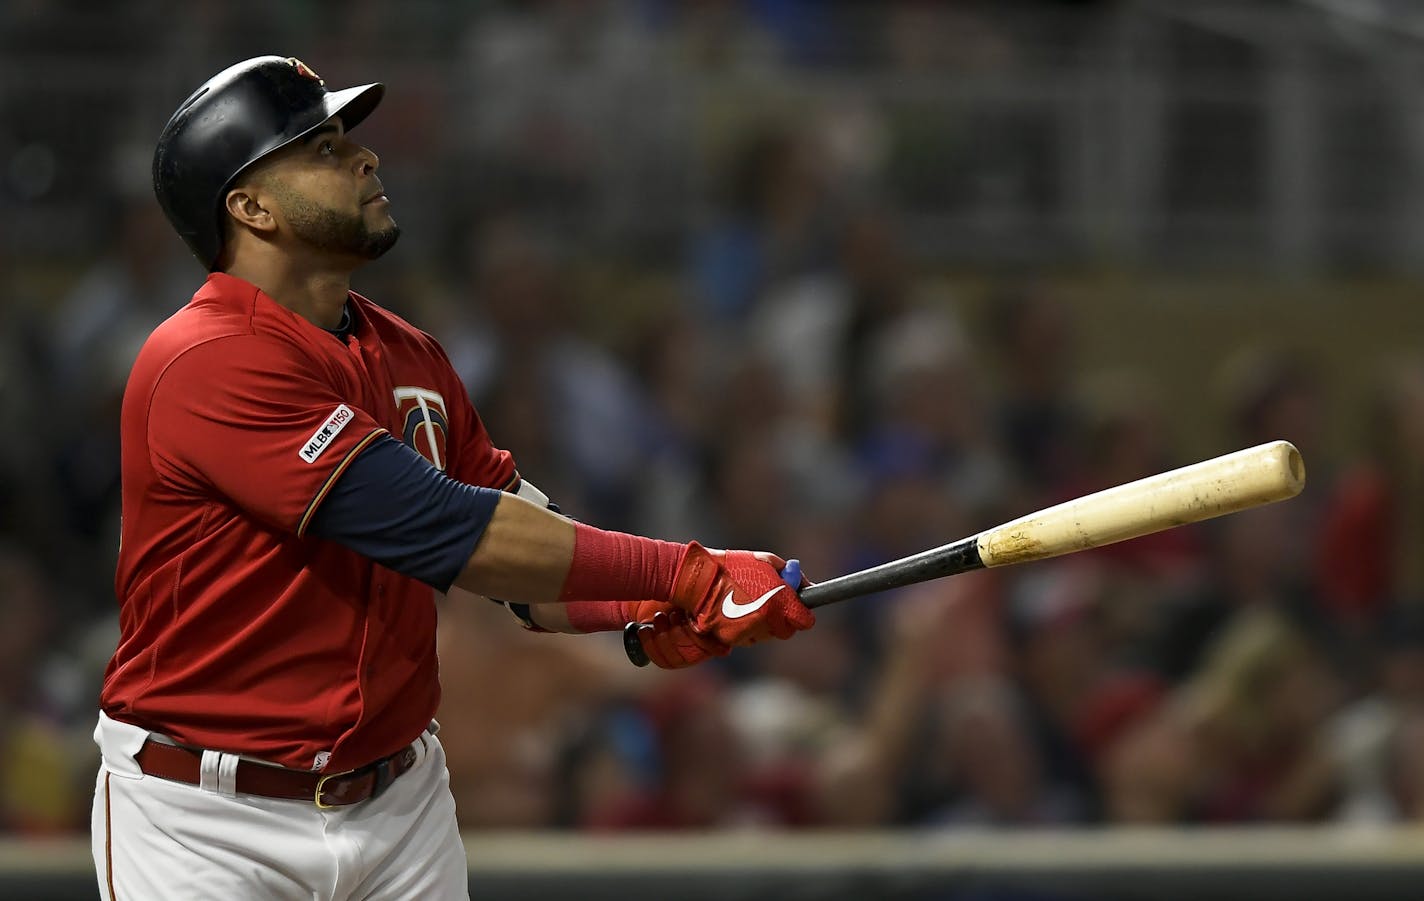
(304, 70)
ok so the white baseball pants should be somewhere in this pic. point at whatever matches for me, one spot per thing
(154, 839)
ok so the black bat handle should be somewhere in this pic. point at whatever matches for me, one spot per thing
(946, 560)
(633, 645)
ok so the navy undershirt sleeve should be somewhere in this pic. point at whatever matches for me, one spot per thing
(392, 506)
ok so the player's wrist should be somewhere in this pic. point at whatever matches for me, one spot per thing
(613, 566)
(600, 616)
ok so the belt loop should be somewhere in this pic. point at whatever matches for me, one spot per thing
(227, 775)
(218, 773)
(208, 771)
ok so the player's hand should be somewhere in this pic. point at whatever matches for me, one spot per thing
(740, 597)
(670, 642)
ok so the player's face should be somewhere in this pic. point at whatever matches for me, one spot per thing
(328, 193)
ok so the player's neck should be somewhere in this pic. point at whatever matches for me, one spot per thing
(318, 296)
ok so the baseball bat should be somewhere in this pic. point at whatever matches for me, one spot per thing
(1227, 484)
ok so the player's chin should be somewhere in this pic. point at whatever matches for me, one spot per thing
(381, 225)
(380, 239)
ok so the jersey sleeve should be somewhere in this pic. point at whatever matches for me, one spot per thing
(392, 506)
(256, 422)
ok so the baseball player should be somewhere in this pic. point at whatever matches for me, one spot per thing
(302, 471)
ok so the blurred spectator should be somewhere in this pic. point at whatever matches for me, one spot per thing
(822, 328)
(671, 358)
(767, 225)
(40, 789)
(727, 35)
(706, 777)
(1373, 737)
(1274, 393)
(1250, 567)
(563, 117)
(958, 38)
(1262, 700)
(567, 409)
(1367, 555)
(938, 634)
(989, 754)
(26, 490)
(1060, 662)
(759, 468)
(512, 696)
(1246, 740)
(1149, 771)
(1031, 337)
(924, 400)
(1405, 767)
(104, 319)
(97, 330)
(1277, 393)
(1127, 435)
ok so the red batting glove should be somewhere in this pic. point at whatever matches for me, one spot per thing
(670, 642)
(738, 597)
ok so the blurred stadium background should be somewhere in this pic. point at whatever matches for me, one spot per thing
(846, 281)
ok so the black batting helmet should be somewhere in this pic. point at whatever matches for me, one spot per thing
(239, 116)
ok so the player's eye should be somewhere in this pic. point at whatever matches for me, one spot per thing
(326, 148)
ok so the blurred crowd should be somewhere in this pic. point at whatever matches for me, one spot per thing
(781, 370)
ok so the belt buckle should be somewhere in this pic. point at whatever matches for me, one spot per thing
(382, 775)
(321, 787)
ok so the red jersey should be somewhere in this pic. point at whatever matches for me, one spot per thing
(239, 632)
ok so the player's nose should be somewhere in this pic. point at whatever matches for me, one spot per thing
(366, 160)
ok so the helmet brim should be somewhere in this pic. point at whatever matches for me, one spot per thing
(352, 104)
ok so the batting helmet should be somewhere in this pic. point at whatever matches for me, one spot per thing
(239, 116)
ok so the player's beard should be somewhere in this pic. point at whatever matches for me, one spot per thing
(327, 229)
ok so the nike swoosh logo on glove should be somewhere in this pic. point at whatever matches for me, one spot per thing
(732, 610)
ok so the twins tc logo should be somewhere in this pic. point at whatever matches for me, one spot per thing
(424, 423)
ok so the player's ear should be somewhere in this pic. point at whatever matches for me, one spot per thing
(245, 208)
